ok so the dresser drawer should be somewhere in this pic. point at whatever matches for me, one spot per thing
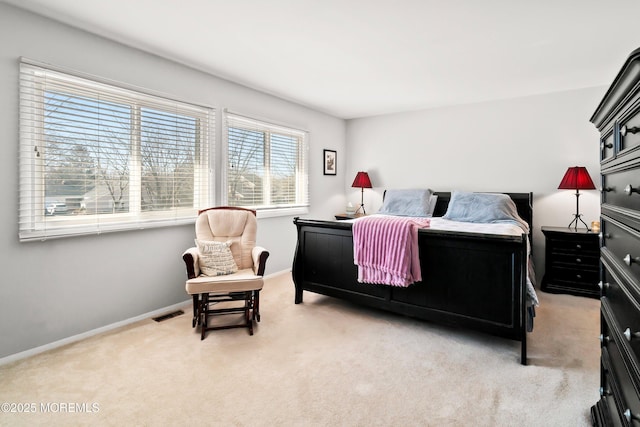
(623, 243)
(629, 128)
(610, 392)
(615, 387)
(606, 146)
(616, 187)
(619, 368)
(627, 312)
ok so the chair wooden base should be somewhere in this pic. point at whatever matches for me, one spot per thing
(203, 308)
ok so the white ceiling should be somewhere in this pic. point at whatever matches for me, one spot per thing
(355, 58)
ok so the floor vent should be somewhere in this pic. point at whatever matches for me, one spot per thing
(168, 316)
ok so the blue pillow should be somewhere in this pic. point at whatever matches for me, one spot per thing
(407, 203)
(483, 208)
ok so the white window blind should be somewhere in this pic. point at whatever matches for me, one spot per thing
(267, 164)
(98, 157)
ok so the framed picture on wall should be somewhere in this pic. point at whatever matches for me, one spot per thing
(330, 162)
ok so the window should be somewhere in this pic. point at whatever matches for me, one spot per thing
(266, 165)
(97, 157)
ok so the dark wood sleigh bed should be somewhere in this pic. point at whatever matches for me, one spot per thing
(470, 280)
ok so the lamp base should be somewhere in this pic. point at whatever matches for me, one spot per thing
(577, 215)
(361, 202)
(575, 220)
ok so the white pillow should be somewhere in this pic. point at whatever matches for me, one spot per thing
(215, 258)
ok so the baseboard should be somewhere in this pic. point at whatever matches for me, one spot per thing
(93, 332)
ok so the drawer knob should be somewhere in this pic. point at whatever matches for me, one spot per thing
(625, 130)
(604, 339)
(605, 392)
(578, 260)
(629, 190)
(628, 259)
(604, 235)
(630, 415)
(604, 145)
(603, 285)
(578, 246)
(630, 335)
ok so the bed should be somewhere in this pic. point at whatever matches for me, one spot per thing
(470, 279)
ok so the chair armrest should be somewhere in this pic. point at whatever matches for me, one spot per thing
(190, 257)
(259, 255)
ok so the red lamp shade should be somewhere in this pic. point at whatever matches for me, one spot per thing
(362, 180)
(576, 178)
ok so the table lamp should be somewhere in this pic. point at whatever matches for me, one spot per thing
(362, 181)
(577, 178)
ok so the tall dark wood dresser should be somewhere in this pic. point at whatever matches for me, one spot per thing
(618, 120)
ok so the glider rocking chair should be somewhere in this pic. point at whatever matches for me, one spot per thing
(225, 267)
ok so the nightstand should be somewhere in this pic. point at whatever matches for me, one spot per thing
(349, 216)
(572, 262)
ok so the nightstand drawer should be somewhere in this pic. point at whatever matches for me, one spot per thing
(575, 275)
(586, 261)
(578, 245)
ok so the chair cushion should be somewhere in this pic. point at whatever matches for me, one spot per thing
(236, 226)
(243, 280)
(215, 258)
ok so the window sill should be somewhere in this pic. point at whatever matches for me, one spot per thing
(97, 229)
(272, 213)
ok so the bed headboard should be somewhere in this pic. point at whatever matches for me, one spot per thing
(523, 201)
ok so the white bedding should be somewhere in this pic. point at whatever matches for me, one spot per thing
(439, 223)
(503, 229)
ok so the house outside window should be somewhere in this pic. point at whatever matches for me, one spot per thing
(267, 166)
(97, 157)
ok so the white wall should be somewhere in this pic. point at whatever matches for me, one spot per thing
(56, 289)
(518, 145)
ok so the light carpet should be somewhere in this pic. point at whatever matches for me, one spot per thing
(321, 363)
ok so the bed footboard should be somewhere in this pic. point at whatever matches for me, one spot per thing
(469, 280)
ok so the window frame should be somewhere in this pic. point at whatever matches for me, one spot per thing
(268, 209)
(34, 224)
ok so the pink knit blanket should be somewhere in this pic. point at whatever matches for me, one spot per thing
(385, 249)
